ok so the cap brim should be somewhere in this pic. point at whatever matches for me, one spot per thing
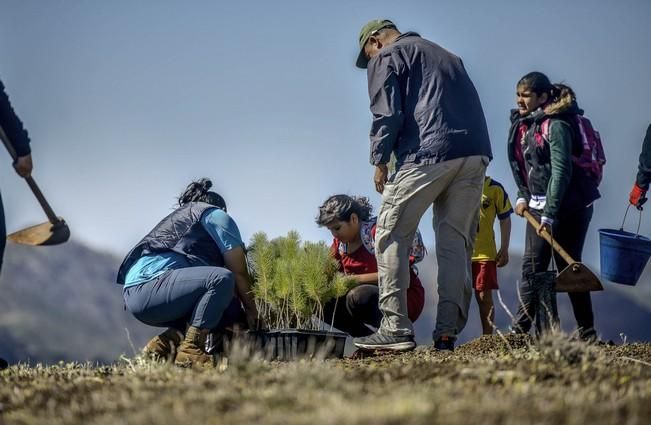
(362, 60)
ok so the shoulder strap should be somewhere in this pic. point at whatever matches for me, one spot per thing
(418, 250)
(367, 234)
(544, 128)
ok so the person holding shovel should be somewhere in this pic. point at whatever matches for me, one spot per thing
(637, 196)
(184, 274)
(350, 220)
(17, 135)
(426, 111)
(557, 192)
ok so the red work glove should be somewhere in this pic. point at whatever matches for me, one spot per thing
(637, 196)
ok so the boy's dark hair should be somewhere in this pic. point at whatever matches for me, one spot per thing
(341, 207)
(197, 191)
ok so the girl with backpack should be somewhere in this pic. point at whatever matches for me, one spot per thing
(556, 183)
(352, 225)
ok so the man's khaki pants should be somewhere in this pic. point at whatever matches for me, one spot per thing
(454, 190)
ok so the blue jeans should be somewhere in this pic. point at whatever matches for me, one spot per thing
(195, 295)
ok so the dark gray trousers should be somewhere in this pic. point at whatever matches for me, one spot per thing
(569, 230)
(355, 310)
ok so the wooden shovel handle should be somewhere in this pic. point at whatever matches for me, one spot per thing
(568, 259)
(30, 181)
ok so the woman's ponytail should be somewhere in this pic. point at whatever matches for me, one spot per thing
(199, 191)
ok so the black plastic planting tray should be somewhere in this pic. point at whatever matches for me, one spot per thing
(295, 344)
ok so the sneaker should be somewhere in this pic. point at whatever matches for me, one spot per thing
(379, 341)
(444, 343)
(588, 335)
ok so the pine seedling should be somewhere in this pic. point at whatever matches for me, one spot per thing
(314, 263)
(291, 250)
(282, 289)
(289, 246)
(293, 280)
(261, 253)
(342, 284)
(301, 306)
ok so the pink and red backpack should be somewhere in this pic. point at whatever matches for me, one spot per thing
(592, 159)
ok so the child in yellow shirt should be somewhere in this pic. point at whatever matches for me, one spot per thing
(486, 258)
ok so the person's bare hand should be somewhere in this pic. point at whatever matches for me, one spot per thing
(380, 177)
(521, 208)
(255, 321)
(502, 258)
(23, 166)
(544, 227)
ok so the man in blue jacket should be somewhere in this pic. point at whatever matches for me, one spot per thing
(427, 113)
(13, 128)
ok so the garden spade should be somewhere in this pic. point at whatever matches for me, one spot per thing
(576, 277)
(52, 232)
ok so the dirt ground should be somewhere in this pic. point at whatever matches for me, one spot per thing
(491, 380)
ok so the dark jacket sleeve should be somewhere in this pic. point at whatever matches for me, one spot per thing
(516, 167)
(386, 106)
(12, 125)
(560, 145)
(644, 169)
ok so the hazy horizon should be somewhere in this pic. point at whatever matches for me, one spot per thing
(126, 102)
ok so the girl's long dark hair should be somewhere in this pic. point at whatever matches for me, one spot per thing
(198, 191)
(341, 207)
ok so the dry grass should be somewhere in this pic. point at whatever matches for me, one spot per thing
(492, 380)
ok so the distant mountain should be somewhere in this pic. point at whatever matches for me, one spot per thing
(60, 303)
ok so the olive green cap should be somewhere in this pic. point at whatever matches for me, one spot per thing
(365, 34)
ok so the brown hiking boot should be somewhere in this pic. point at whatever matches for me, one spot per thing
(192, 351)
(163, 346)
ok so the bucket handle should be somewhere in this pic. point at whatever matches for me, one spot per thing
(639, 221)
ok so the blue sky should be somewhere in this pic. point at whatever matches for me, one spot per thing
(126, 102)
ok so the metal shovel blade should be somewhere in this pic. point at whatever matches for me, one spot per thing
(577, 278)
(42, 234)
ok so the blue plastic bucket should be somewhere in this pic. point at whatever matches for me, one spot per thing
(623, 255)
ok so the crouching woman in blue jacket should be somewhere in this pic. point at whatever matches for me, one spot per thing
(184, 275)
